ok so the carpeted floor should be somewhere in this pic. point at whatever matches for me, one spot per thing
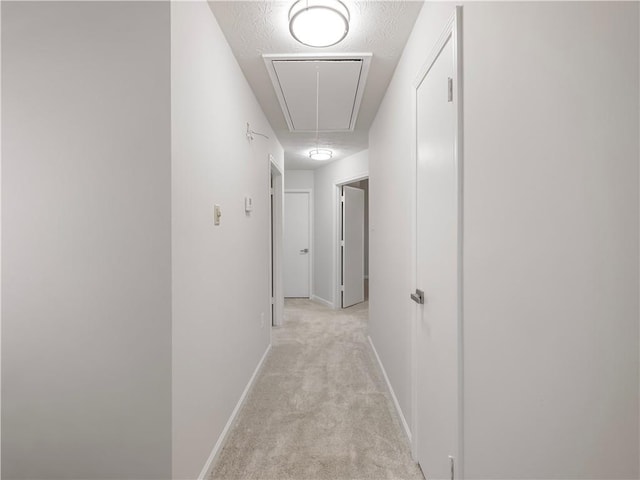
(319, 408)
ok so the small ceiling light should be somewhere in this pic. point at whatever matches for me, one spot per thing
(319, 23)
(320, 154)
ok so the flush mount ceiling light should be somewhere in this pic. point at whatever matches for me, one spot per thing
(320, 154)
(319, 23)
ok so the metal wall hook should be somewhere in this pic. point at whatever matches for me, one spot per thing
(251, 133)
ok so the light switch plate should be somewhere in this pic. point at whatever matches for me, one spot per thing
(248, 204)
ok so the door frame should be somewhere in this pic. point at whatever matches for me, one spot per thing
(343, 248)
(309, 192)
(453, 31)
(275, 242)
(337, 227)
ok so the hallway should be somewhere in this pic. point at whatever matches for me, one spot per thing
(147, 151)
(319, 408)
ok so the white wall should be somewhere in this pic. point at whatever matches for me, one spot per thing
(220, 273)
(298, 180)
(325, 218)
(550, 232)
(86, 256)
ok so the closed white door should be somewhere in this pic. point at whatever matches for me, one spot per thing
(437, 255)
(296, 244)
(353, 246)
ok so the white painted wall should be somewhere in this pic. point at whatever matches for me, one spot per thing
(220, 274)
(86, 252)
(325, 211)
(298, 180)
(551, 235)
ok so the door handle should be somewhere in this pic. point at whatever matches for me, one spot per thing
(418, 297)
(304, 250)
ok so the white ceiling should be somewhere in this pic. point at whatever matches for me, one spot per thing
(254, 28)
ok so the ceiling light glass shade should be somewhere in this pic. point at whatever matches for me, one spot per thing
(320, 154)
(319, 23)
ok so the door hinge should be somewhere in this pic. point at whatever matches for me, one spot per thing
(342, 243)
(342, 199)
(342, 288)
(271, 191)
(450, 89)
(273, 301)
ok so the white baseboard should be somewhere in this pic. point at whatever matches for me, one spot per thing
(206, 470)
(321, 300)
(405, 425)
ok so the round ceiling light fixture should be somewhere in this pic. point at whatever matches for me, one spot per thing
(319, 23)
(320, 154)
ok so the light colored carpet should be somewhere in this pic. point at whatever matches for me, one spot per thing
(319, 408)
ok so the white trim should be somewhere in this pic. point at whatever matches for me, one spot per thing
(337, 225)
(403, 420)
(0, 246)
(459, 151)
(317, 299)
(208, 466)
(352, 178)
(453, 31)
(364, 71)
(309, 191)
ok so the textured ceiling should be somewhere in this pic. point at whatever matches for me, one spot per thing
(254, 28)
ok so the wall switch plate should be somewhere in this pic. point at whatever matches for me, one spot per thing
(217, 213)
(248, 204)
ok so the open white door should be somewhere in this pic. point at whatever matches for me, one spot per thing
(296, 244)
(277, 233)
(438, 264)
(352, 246)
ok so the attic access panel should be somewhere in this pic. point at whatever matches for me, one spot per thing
(342, 81)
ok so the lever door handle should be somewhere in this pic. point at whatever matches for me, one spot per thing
(418, 297)
(304, 250)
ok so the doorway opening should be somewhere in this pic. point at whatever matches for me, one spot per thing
(353, 243)
(276, 194)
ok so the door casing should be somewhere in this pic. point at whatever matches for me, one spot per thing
(346, 272)
(275, 239)
(337, 227)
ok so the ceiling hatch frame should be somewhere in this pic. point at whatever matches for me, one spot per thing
(364, 58)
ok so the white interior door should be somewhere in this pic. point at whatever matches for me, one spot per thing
(353, 246)
(437, 255)
(296, 244)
